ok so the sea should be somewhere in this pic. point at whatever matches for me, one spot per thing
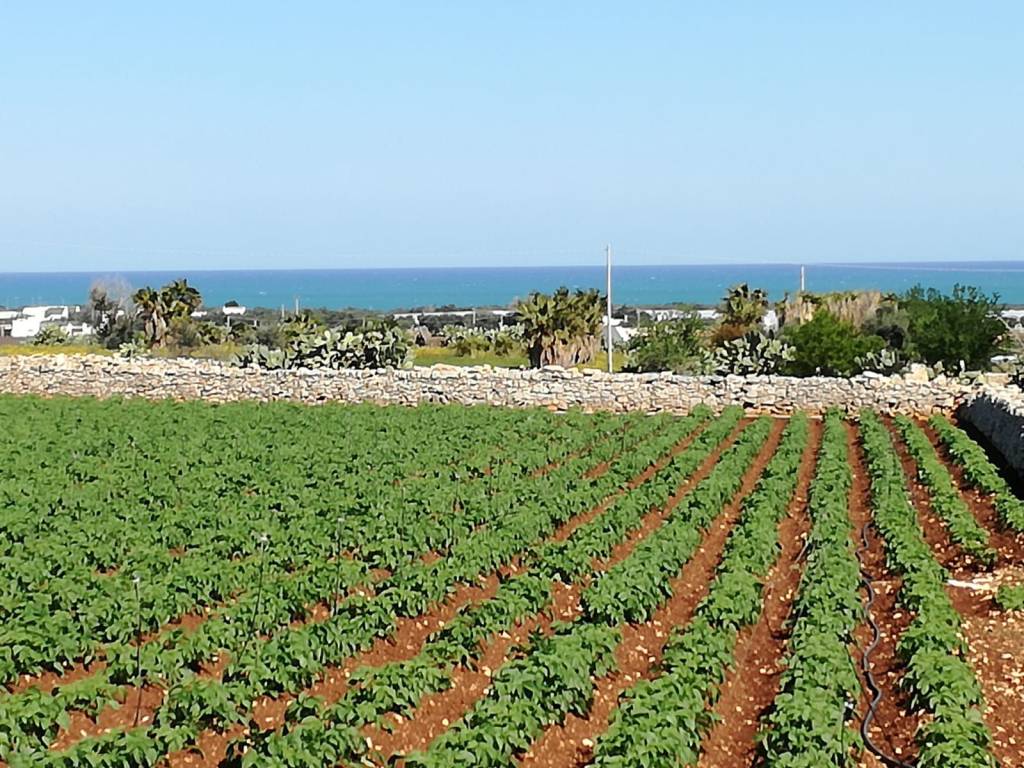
(395, 289)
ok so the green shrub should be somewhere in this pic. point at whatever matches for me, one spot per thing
(828, 346)
(962, 328)
(753, 353)
(668, 345)
(374, 345)
(50, 336)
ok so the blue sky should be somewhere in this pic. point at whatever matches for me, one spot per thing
(223, 135)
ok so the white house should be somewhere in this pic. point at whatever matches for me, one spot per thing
(26, 322)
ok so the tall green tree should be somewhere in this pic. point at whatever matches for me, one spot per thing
(963, 327)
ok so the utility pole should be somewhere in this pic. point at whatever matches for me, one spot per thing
(608, 320)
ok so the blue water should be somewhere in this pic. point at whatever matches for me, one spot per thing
(385, 289)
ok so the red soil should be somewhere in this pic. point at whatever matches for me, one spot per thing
(571, 742)
(751, 685)
(893, 726)
(437, 712)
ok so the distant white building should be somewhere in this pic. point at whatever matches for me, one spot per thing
(25, 323)
(621, 333)
(233, 309)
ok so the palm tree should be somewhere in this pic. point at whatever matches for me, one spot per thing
(561, 329)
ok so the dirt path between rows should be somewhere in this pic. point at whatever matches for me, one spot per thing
(437, 711)
(571, 742)
(752, 683)
(893, 726)
(402, 645)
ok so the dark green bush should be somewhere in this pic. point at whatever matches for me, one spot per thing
(962, 326)
(828, 346)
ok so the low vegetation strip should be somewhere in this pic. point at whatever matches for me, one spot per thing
(809, 723)
(277, 585)
(937, 676)
(661, 723)
(980, 471)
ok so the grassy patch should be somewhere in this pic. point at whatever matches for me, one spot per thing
(8, 350)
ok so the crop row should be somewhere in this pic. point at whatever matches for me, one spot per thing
(936, 675)
(28, 718)
(75, 610)
(808, 722)
(661, 723)
(540, 689)
(946, 501)
(311, 738)
(290, 660)
(980, 472)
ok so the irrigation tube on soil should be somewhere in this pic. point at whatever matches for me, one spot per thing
(876, 692)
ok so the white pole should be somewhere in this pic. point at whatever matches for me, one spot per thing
(802, 282)
(608, 259)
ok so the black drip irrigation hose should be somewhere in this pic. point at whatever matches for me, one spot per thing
(876, 692)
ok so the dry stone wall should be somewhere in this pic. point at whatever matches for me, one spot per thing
(555, 388)
(998, 415)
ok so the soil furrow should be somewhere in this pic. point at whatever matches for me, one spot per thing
(402, 645)
(936, 534)
(437, 711)
(893, 726)
(752, 683)
(571, 742)
(1009, 546)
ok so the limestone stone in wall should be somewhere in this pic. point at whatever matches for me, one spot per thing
(998, 414)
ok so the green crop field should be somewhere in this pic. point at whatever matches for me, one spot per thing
(285, 585)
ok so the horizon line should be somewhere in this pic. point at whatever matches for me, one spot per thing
(828, 264)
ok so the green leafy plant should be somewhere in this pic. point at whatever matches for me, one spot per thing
(961, 329)
(753, 353)
(741, 309)
(374, 345)
(676, 345)
(561, 328)
(1010, 598)
(50, 336)
(828, 346)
